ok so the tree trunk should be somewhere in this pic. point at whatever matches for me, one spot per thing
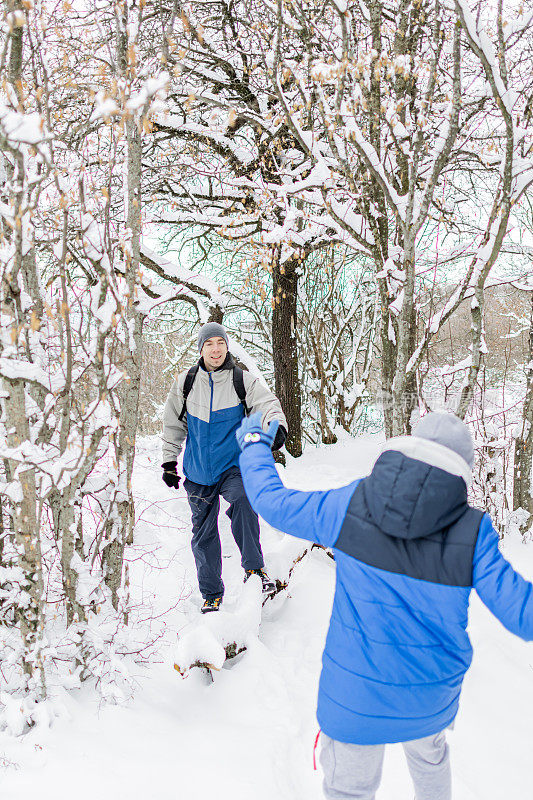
(523, 449)
(285, 348)
(26, 528)
(326, 434)
(129, 412)
(27, 536)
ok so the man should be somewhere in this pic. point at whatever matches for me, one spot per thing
(204, 410)
(408, 549)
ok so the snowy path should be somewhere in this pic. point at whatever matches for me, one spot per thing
(250, 733)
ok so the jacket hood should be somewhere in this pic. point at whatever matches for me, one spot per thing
(409, 495)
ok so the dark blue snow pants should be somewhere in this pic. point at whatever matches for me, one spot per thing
(205, 505)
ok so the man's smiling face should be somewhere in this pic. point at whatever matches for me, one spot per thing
(214, 352)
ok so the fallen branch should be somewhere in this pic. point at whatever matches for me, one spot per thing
(222, 635)
(296, 551)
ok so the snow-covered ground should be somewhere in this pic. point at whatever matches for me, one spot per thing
(250, 733)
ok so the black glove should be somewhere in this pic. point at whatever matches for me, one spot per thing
(170, 476)
(279, 439)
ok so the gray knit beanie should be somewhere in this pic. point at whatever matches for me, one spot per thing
(448, 430)
(209, 330)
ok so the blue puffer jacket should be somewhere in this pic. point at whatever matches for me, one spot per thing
(408, 550)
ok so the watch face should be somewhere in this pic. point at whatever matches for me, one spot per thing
(252, 437)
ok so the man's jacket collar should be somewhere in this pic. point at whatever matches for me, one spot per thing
(229, 363)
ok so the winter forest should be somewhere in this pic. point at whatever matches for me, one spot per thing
(347, 186)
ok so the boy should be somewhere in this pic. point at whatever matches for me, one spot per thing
(408, 549)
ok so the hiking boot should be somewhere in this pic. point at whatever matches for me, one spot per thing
(269, 587)
(211, 604)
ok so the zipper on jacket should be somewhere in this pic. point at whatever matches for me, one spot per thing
(209, 428)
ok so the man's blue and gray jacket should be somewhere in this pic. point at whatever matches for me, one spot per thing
(408, 550)
(214, 412)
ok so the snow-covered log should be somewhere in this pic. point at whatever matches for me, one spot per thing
(221, 635)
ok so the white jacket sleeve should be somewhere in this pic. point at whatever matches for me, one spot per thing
(260, 399)
(174, 430)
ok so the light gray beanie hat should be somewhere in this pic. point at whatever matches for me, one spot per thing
(209, 330)
(448, 430)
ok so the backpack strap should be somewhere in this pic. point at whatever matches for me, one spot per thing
(238, 385)
(187, 386)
